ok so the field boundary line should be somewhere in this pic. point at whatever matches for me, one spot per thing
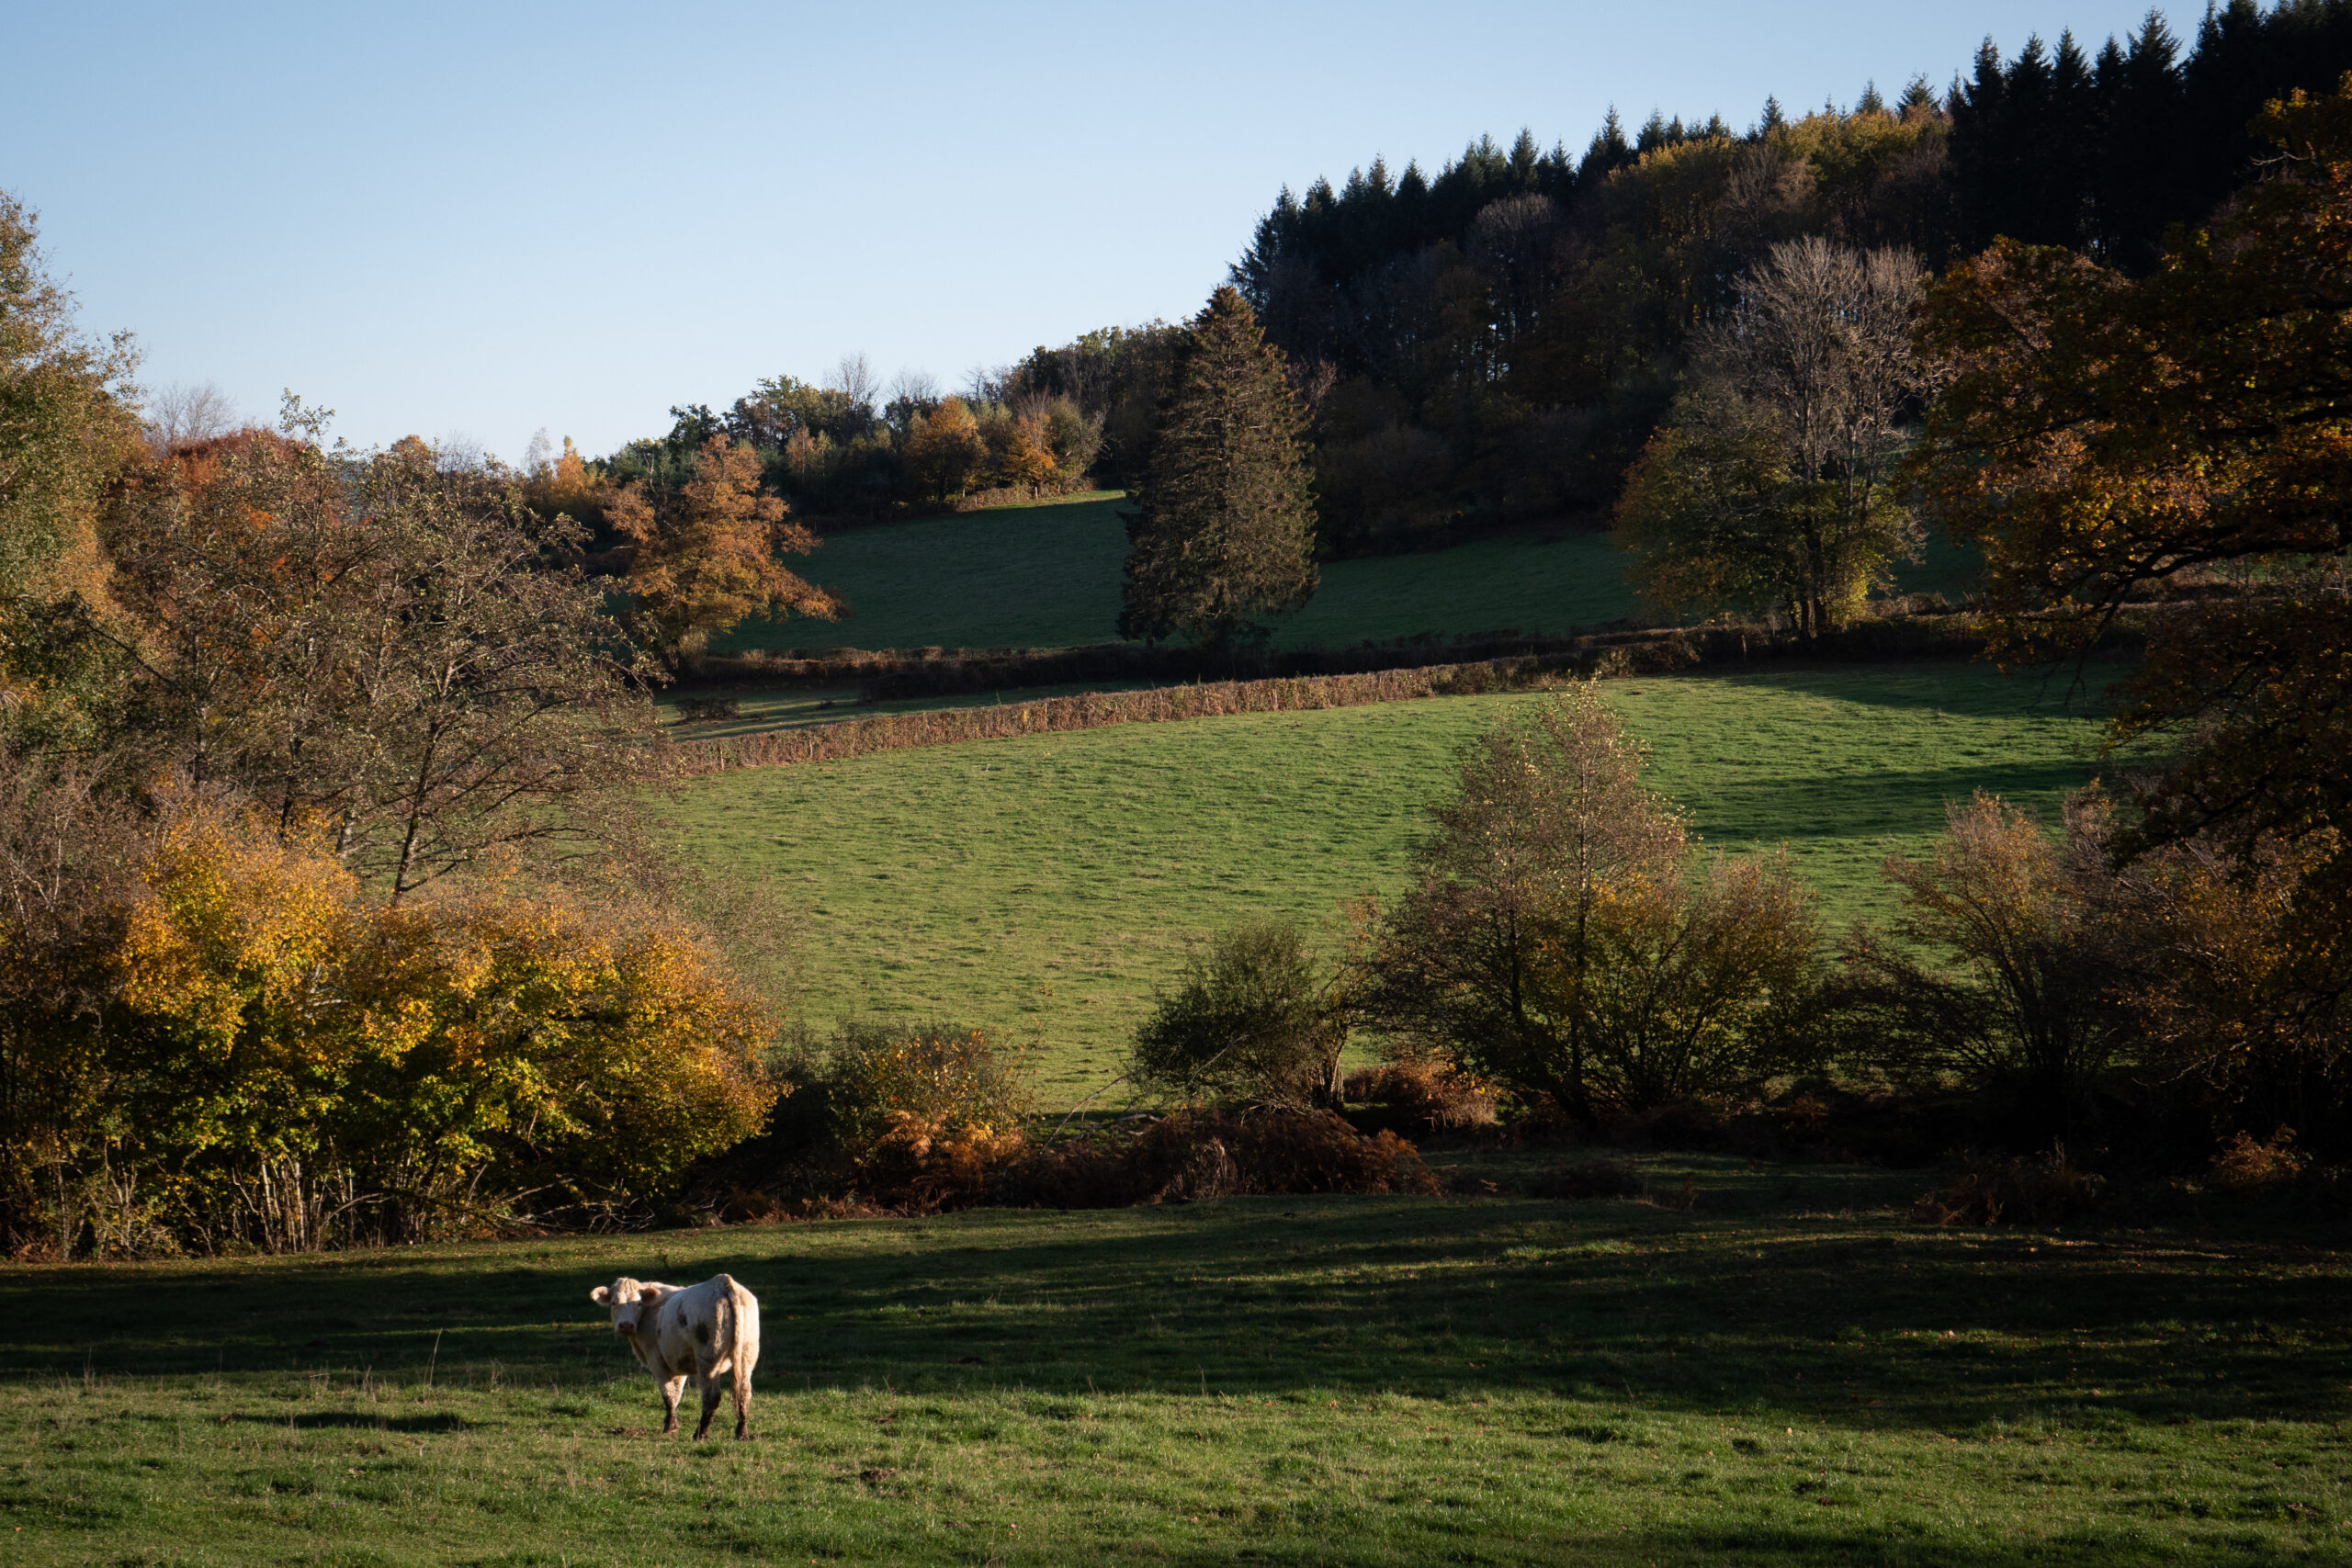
(1953, 637)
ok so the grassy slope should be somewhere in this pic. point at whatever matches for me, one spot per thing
(1789, 1374)
(1048, 577)
(1049, 883)
(798, 707)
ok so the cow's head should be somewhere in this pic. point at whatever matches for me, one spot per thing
(632, 1303)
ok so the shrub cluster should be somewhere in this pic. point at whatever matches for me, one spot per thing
(1193, 1155)
(832, 455)
(1910, 630)
(211, 1038)
(2033, 1189)
(915, 1119)
(905, 1116)
(1423, 1096)
(1565, 950)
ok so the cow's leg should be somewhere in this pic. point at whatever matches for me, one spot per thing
(710, 1385)
(671, 1389)
(742, 1388)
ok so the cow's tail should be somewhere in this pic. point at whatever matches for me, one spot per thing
(726, 1324)
(744, 1308)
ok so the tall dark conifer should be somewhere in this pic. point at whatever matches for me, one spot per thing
(1981, 117)
(1223, 535)
(2142, 89)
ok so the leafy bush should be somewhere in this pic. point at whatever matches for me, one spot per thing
(232, 1046)
(957, 1080)
(1559, 938)
(911, 1116)
(2023, 1004)
(1251, 1020)
(1424, 1096)
(2035, 1189)
(1193, 1154)
(2249, 1165)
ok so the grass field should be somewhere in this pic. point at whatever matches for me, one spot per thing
(1047, 575)
(1789, 1373)
(797, 707)
(1046, 885)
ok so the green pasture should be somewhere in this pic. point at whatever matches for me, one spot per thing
(1047, 575)
(1786, 1373)
(1045, 886)
(762, 708)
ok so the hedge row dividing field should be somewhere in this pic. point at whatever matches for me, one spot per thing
(1787, 1373)
(1044, 886)
(909, 728)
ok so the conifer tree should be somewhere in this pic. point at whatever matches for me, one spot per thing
(1223, 535)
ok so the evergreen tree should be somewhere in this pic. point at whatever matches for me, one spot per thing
(1610, 149)
(1225, 532)
(2141, 86)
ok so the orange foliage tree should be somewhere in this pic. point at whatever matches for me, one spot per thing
(1021, 450)
(706, 552)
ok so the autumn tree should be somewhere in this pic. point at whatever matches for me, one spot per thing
(566, 484)
(402, 652)
(1021, 450)
(2004, 972)
(706, 552)
(1558, 938)
(66, 425)
(945, 452)
(2106, 438)
(1223, 536)
(1773, 482)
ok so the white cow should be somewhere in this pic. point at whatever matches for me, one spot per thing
(689, 1331)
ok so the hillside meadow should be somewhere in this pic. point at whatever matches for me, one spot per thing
(1786, 1373)
(1043, 886)
(1047, 575)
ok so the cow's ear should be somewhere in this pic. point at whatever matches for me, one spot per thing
(602, 1296)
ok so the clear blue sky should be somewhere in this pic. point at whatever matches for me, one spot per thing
(481, 220)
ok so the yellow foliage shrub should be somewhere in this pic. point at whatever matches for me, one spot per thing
(275, 1060)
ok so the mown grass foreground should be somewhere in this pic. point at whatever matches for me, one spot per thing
(1786, 1373)
(1043, 886)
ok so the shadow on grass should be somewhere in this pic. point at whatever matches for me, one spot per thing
(1964, 689)
(1858, 806)
(1730, 1306)
(360, 1420)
